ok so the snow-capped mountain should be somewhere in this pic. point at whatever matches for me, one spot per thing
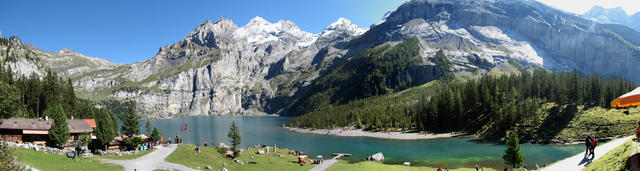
(220, 68)
(614, 16)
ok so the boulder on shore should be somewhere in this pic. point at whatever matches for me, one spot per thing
(239, 161)
(229, 154)
(377, 157)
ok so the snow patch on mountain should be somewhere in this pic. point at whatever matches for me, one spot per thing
(259, 31)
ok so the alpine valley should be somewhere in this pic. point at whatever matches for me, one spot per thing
(220, 68)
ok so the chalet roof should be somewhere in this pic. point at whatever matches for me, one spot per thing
(75, 125)
(26, 123)
(91, 122)
(78, 126)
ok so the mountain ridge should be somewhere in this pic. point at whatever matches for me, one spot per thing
(262, 67)
(613, 16)
(218, 63)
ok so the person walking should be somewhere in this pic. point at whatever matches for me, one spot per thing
(594, 142)
(587, 144)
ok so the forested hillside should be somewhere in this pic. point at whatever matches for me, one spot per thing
(30, 96)
(488, 106)
(376, 71)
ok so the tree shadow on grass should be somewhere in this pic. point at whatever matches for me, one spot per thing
(557, 120)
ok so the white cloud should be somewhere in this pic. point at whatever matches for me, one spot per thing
(582, 6)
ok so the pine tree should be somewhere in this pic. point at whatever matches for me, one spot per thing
(9, 100)
(33, 94)
(59, 132)
(443, 65)
(130, 126)
(105, 130)
(69, 99)
(147, 127)
(50, 95)
(155, 134)
(512, 156)
(234, 138)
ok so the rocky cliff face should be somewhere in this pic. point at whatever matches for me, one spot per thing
(219, 68)
(222, 68)
(25, 59)
(491, 32)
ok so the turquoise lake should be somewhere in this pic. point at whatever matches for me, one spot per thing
(446, 152)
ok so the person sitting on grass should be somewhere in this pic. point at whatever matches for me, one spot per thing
(198, 149)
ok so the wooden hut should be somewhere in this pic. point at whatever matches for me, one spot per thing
(36, 130)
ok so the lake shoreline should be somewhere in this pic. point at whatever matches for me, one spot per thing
(394, 135)
(406, 135)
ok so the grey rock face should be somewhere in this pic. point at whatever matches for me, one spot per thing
(221, 69)
(25, 59)
(498, 30)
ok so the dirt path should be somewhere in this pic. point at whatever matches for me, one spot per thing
(326, 164)
(578, 162)
(151, 161)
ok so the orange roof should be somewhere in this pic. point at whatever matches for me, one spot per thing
(630, 99)
(91, 122)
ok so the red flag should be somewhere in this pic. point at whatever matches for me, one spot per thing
(184, 128)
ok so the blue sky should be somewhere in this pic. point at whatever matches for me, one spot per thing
(126, 31)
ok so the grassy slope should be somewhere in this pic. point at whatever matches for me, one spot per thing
(46, 161)
(601, 122)
(615, 159)
(375, 166)
(186, 155)
(598, 121)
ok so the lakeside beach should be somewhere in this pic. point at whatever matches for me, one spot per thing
(396, 135)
